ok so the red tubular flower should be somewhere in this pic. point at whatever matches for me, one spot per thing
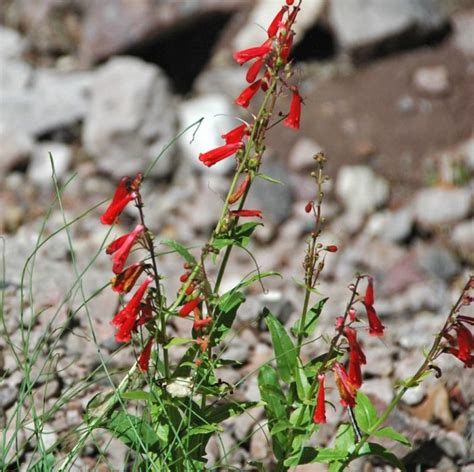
(375, 326)
(120, 257)
(244, 98)
(241, 57)
(236, 135)
(369, 293)
(347, 391)
(465, 342)
(116, 244)
(320, 410)
(144, 359)
(115, 208)
(254, 70)
(126, 319)
(354, 346)
(216, 155)
(355, 372)
(240, 191)
(275, 24)
(339, 323)
(293, 118)
(189, 307)
(246, 213)
(124, 282)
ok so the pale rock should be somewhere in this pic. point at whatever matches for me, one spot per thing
(360, 189)
(439, 206)
(462, 239)
(432, 81)
(15, 149)
(391, 226)
(365, 28)
(40, 170)
(217, 113)
(12, 44)
(130, 123)
(14, 76)
(414, 396)
(380, 388)
(437, 261)
(53, 100)
(259, 443)
(301, 154)
(463, 26)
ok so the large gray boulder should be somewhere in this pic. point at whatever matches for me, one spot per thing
(131, 117)
(365, 28)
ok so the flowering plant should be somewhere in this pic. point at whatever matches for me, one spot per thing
(167, 411)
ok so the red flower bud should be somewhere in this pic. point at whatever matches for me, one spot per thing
(331, 248)
(320, 410)
(308, 207)
(293, 118)
(240, 191)
(184, 277)
(189, 307)
(246, 213)
(144, 359)
(275, 24)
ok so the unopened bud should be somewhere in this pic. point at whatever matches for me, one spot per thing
(331, 248)
(308, 207)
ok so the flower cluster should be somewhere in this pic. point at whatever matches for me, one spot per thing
(136, 312)
(268, 60)
(348, 381)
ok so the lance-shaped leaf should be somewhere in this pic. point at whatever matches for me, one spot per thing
(285, 352)
(311, 319)
(180, 249)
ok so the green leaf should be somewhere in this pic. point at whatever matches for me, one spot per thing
(390, 433)
(269, 179)
(302, 384)
(240, 236)
(137, 395)
(132, 431)
(345, 437)
(311, 321)
(227, 308)
(365, 412)
(261, 275)
(178, 342)
(98, 405)
(283, 346)
(379, 451)
(275, 407)
(180, 249)
(327, 455)
(204, 429)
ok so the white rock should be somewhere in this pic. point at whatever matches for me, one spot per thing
(14, 76)
(360, 189)
(12, 44)
(15, 148)
(437, 206)
(131, 118)
(433, 81)
(40, 171)
(391, 226)
(301, 154)
(208, 136)
(54, 100)
(364, 26)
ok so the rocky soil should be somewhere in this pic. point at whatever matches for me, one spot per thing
(99, 88)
